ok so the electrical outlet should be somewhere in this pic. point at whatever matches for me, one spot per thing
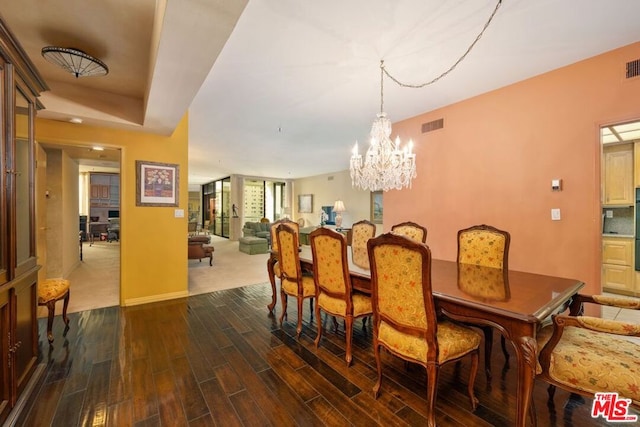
(609, 214)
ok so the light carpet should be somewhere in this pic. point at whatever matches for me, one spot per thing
(95, 282)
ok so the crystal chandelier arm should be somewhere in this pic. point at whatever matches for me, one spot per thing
(455, 64)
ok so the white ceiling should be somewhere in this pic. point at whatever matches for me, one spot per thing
(286, 92)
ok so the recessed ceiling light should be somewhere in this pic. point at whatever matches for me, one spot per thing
(96, 148)
(76, 120)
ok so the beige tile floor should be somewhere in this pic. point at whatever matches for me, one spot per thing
(95, 283)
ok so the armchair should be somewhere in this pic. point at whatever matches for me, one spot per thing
(587, 355)
(197, 250)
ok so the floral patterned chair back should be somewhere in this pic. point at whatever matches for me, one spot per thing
(405, 320)
(333, 283)
(411, 230)
(293, 282)
(484, 245)
(361, 232)
(287, 222)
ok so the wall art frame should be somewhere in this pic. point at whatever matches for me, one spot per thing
(157, 184)
(376, 207)
(305, 203)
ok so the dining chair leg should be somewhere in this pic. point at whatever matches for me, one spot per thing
(376, 352)
(488, 348)
(475, 358)
(503, 342)
(283, 298)
(319, 321)
(432, 390)
(299, 327)
(348, 335)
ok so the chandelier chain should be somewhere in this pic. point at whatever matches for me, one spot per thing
(455, 64)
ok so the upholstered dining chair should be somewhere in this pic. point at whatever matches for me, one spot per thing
(334, 294)
(411, 230)
(274, 240)
(405, 319)
(486, 246)
(587, 355)
(361, 232)
(292, 281)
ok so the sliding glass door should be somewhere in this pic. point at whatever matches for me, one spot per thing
(263, 199)
(216, 197)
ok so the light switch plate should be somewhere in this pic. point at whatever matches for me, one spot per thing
(555, 214)
(178, 213)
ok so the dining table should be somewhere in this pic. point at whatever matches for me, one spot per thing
(518, 307)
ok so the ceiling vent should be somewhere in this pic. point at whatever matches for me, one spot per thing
(633, 68)
(431, 126)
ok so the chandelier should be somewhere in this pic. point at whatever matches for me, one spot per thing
(75, 61)
(386, 166)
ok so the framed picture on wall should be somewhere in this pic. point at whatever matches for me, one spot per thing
(305, 203)
(376, 207)
(157, 184)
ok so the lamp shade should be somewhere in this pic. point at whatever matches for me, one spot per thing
(338, 206)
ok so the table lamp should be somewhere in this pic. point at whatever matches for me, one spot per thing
(338, 208)
(286, 212)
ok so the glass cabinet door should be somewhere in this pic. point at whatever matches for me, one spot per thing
(23, 190)
(4, 146)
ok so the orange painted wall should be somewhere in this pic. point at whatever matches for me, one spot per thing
(495, 158)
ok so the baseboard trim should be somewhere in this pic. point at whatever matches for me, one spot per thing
(27, 396)
(155, 298)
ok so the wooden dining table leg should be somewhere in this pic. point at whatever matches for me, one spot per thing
(526, 355)
(272, 279)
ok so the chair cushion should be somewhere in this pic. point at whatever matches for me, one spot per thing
(199, 239)
(52, 289)
(453, 341)
(308, 287)
(595, 362)
(338, 306)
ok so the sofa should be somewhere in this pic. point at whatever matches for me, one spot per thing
(257, 229)
(198, 248)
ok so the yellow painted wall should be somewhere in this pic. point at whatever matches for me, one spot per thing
(152, 241)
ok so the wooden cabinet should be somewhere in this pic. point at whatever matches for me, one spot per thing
(104, 190)
(618, 183)
(636, 164)
(20, 85)
(617, 264)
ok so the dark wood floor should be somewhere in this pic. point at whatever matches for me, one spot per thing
(220, 359)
